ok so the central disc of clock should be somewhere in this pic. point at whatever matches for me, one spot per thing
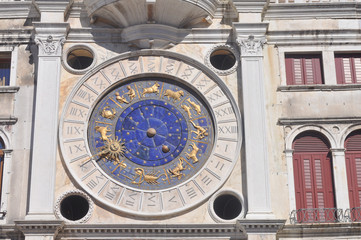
(154, 132)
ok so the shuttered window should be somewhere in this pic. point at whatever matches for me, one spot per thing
(5, 63)
(303, 69)
(353, 167)
(313, 173)
(348, 68)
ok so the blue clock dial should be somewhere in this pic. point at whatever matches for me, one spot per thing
(151, 133)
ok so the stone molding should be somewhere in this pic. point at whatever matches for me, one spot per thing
(8, 121)
(12, 10)
(262, 226)
(312, 10)
(301, 121)
(251, 46)
(39, 227)
(325, 230)
(15, 36)
(53, 6)
(314, 37)
(152, 231)
(254, 6)
(9, 89)
(72, 193)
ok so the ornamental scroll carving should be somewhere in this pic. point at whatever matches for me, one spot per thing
(251, 46)
(49, 46)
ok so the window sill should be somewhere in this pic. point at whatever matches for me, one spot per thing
(319, 87)
(8, 121)
(9, 89)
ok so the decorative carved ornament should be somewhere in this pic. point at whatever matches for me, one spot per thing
(49, 46)
(251, 46)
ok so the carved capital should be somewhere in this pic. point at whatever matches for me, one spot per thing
(49, 46)
(251, 46)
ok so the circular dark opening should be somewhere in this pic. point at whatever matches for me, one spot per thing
(74, 207)
(222, 59)
(227, 206)
(80, 59)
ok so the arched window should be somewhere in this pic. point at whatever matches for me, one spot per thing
(313, 177)
(353, 167)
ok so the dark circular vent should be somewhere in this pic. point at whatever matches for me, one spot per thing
(74, 207)
(227, 206)
(222, 59)
(80, 59)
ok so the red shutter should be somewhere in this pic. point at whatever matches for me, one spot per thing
(353, 167)
(348, 68)
(313, 173)
(303, 69)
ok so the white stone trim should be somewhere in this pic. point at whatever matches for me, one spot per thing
(75, 47)
(300, 129)
(14, 61)
(346, 132)
(225, 191)
(72, 193)
(207, 58)
(5, 192)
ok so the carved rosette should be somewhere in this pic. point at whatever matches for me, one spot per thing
(251, 46)
(49, 46)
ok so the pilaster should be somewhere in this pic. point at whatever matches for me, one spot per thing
(251, 38)
(340, 178)
(49, 37)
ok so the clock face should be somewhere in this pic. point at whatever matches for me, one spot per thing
(150, 135)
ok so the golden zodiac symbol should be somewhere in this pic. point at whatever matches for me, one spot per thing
(188, 110)
(103, 132)
(121, 99)
(193, 154)
(131, 93)
(110, 114)
(121, 165)
(201, 132)
(175, 95)
(152, 89)
(177, 170)
(148, 178)
(196, 107)
(112, 150)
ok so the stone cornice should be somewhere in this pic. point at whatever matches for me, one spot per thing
(152, 231)
(296, 11)
(327, 120)
(244, 30)
(23, 9)
(197, 35)
(15, 36)
(270, 226)
(325, 230)
(39, 227)
(314, 37)
(53, 6)
(319, 87)
(249, 6)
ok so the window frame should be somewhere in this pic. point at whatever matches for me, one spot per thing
(13, 50)
(316, 61)
(339, 67)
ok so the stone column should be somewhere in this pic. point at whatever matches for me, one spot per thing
(340, 178)
(49, 38)
(258, 192)
(291, 179)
